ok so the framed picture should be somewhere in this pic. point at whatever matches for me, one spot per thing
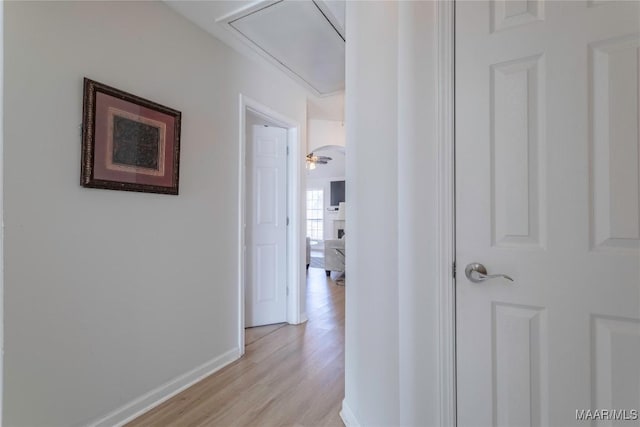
(128, 143)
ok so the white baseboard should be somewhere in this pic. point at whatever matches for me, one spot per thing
(347, 416)
(150, 400)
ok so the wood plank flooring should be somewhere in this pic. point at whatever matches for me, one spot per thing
(289, 375)
(252, 335)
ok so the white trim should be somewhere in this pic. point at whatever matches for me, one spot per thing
(1, 209)
(445, 38)
(348, 418)
(295, 236)
(241, 221)
(155, 397)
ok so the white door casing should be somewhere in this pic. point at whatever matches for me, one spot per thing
(266, 275)
(548, 192)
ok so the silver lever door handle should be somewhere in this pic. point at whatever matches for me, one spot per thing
(477, 273)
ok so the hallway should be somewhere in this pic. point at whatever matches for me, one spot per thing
(289, 375)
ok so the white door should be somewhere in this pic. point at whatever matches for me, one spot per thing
(266, 232)
(547, 189)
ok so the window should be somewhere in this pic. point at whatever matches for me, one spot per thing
(315, 219)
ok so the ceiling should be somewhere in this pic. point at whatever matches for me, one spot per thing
(305, 39)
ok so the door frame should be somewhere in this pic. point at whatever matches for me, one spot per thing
(446, 273)
(295, 284)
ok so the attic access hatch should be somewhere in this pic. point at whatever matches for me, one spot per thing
(301, 36)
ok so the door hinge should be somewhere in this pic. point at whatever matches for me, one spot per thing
(287, 220)
(453, 269)
(287, 291)
(287, 150)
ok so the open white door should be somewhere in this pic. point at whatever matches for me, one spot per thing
(547, 192)
(266, 232)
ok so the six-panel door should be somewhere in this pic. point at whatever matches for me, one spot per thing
(547, 191)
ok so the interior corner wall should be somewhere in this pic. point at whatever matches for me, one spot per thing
(325, 132)
(110, 294)
(391, 325)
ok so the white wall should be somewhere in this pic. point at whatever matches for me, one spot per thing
(371, 369)
(1, 208)
(391, 342)
(110, 294)
(417, 215)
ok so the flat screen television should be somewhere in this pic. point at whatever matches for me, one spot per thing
(337, 192)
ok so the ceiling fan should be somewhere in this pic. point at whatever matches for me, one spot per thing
(313, 160)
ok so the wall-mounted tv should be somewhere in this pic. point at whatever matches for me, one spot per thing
(337, 192)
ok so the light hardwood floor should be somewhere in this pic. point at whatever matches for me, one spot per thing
(289, 375)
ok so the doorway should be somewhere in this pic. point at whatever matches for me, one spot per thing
(288, 282)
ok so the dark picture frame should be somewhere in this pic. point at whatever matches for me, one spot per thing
(128, 143)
